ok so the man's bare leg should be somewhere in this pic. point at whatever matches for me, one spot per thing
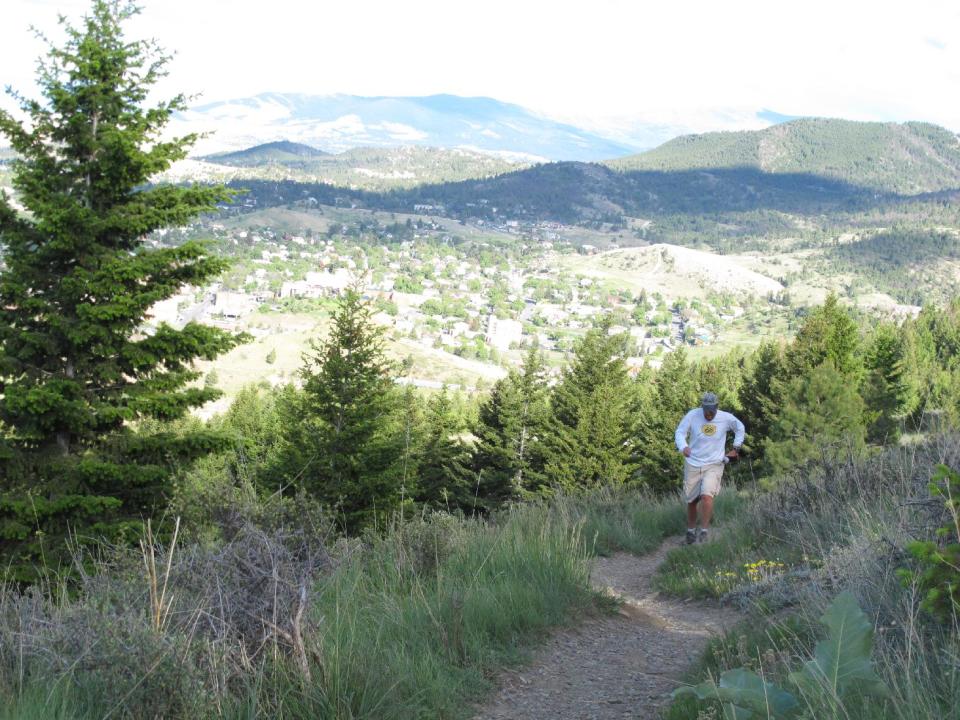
(706, 511)
(692, 514)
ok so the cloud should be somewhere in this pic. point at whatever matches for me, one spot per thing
(600, 59)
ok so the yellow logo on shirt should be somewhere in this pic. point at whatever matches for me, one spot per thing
(709, 430)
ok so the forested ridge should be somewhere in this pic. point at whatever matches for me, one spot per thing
(902, 158)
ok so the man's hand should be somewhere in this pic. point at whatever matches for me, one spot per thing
(733, 454)
(686, 451)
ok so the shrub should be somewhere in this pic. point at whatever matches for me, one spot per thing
(938, 576)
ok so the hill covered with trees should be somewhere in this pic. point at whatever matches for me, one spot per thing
(902, 158)
(372, 169)
(711, 186)
(282, 151)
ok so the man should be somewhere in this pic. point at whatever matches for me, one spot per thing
(702, 437)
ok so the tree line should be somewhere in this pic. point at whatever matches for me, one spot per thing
(356, 442)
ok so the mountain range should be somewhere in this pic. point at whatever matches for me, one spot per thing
(725, 184)
(334, 123)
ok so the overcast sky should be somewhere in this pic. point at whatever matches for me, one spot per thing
(591, 60)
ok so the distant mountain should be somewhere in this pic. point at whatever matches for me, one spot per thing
(760, 182)
(588, 193)
(374, 169)
(907, 159)
(281, 152)
(335, 123)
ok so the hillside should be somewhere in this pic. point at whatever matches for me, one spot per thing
(673, 271)
(281, 152)
(585, 193)
(906, 159)
(368, 168)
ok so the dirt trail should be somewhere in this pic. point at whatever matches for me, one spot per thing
(623, 666)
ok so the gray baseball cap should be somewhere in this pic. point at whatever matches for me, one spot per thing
(709, 401)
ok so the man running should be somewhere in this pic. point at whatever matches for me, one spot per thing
(706, 427)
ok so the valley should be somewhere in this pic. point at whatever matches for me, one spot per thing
(714, 242)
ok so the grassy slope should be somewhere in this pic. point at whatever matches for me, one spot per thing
(907, 158)
(789, 552)
(410, 627)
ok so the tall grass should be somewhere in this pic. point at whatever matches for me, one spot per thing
(415, 627)
(618, 519)
(409, 623)
(835, 526)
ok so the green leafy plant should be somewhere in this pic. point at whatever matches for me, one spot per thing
(939, 573)
(839, 669)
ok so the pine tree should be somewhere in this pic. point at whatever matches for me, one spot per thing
(591, 438)
(664, 399)
(887, 389)
(346, 434)
(77, 369)
(822, 417)
(445, 479)
(828, 333)
(760, 394)
(509, 454)
(411, 432)
(937, 347)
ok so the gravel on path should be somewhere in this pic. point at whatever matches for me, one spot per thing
(620, 666)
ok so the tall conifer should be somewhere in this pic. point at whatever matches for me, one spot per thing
(346, 442)
(591, 440)
(821, 418)
(444, 478)
(887, 389)
(665, 399)
(511, 429)
(76, 367)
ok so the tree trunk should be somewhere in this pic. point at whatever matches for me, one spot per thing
(63, 436)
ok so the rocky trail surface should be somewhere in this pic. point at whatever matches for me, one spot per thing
(620, 666)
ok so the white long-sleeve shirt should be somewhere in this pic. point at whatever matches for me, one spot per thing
(707, 438)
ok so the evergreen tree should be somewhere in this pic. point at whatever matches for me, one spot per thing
(760, 394)
(591, 438)
(77, 370)
(828, 333)
(665, 398)
(821, 417)
(887, 389)
(932, 364)
(445, 479)
(942, 327)
(509, 457)
(722, 375)
(344, 444)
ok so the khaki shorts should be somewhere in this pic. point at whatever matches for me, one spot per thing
(699, 481)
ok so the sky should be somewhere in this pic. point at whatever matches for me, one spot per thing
(595, 62)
